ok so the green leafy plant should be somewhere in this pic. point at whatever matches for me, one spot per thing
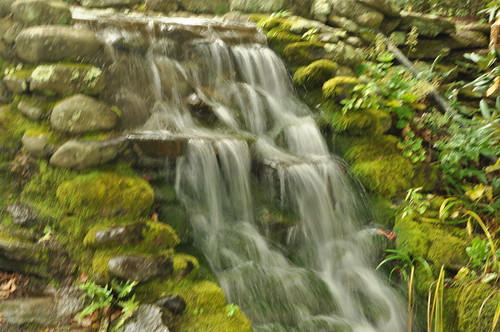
(412, 148)
(417, 203)
(404, 263)
(232, 309)
(116, 295)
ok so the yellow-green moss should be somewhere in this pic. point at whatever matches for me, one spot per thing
(411, 238)
(267, 22)
(160, 235)
(106, 193)
(218, 322)
(314, 75)
(337, 86)
(387, 176)
(476, 307)
(302, 53)
(369, 148)
(279, 38)
(359, 123)
(183, 262)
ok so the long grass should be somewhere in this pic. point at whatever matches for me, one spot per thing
(435, 305)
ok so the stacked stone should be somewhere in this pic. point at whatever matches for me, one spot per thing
(57, 82)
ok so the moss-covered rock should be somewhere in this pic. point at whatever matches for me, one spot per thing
(359, 123)
(104, 193)
(314, 75)
(303, 53)
(476, 307)
(339, 87)
(185, 266)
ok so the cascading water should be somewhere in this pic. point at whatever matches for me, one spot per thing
(261, 150)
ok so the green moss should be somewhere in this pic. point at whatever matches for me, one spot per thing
(315, 74)
(427, 176)
(369, 148)
(302, 53)
(387, 176)
(279, 38)
(411, 238)
(106, 193)
(384, 211)
(266, 22)
(337, 86)
(160, 235)
(476, 307)
(218, 322)
(359, 123)
(185, 266)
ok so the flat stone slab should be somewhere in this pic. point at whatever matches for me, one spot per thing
(39, 12)
(138, 268)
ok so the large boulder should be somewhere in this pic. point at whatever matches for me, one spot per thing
(427, 25)
(54, 43)
(84, 154)
(204, 6)
(257, 6)
(108, 3)
(5, 7)
(38, 12)
(67, 79)
(358, 12)
(80, 114)
(344, 54)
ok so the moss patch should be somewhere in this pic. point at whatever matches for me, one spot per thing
(314, 75)
(359, 123)
(303, 53)
(476, 307)
(338, 87)
(106, 194)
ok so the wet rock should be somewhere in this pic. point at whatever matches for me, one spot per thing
(198, 107)
(80, 113)
(53, 43)
(37, 145)
(18, 253)
(203, 6)
(136, 43)
(108, 3)
(358, 12)
(148, 317)
(387, 7)
(138, 268)
(22, 214)
(38, 12)
(67, 79)
(174, 303)
(257, 6)
(45, 311)
(427, 25)
(84, 154)
(165, 6)
(121, 235)
(481, 27)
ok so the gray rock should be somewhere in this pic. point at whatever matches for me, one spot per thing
(257, 6)
(32, 109)
(18, 253)
(37, 145)
(321, 10)
(67, 79)
(387, 7)
(174, 303)
(203, 6)
(5, 94)
(120, 235)
(359, 13)
(131, 43)
(84, 154)
(429, 49)
(138, 268)
(22, 214)
(344, 23)
(427, 25)
(469, 39)
(17, 81)
(148, 317)
(398, 38)
(45, 311)
(80, 114)
(5, 7)
(39, 12)
(11, 34)
(481, 27)
(354, 41)
(344, 54)
(165, 6)
(389, 24)
(53, 43)
(108, 3)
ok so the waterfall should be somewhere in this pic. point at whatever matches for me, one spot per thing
(261, 152)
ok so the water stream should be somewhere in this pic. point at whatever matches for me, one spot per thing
(255, 155)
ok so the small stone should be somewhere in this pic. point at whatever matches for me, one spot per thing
(22, 214)
(148, 317)
(80, 114)
(37, 145)
(121, 235)
(354, 41)
(358, 12)
(5, 94)
(31, 109)
(17, 81)
(174, 303)
(138, 268)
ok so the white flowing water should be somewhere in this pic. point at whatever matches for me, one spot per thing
(320, 277)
